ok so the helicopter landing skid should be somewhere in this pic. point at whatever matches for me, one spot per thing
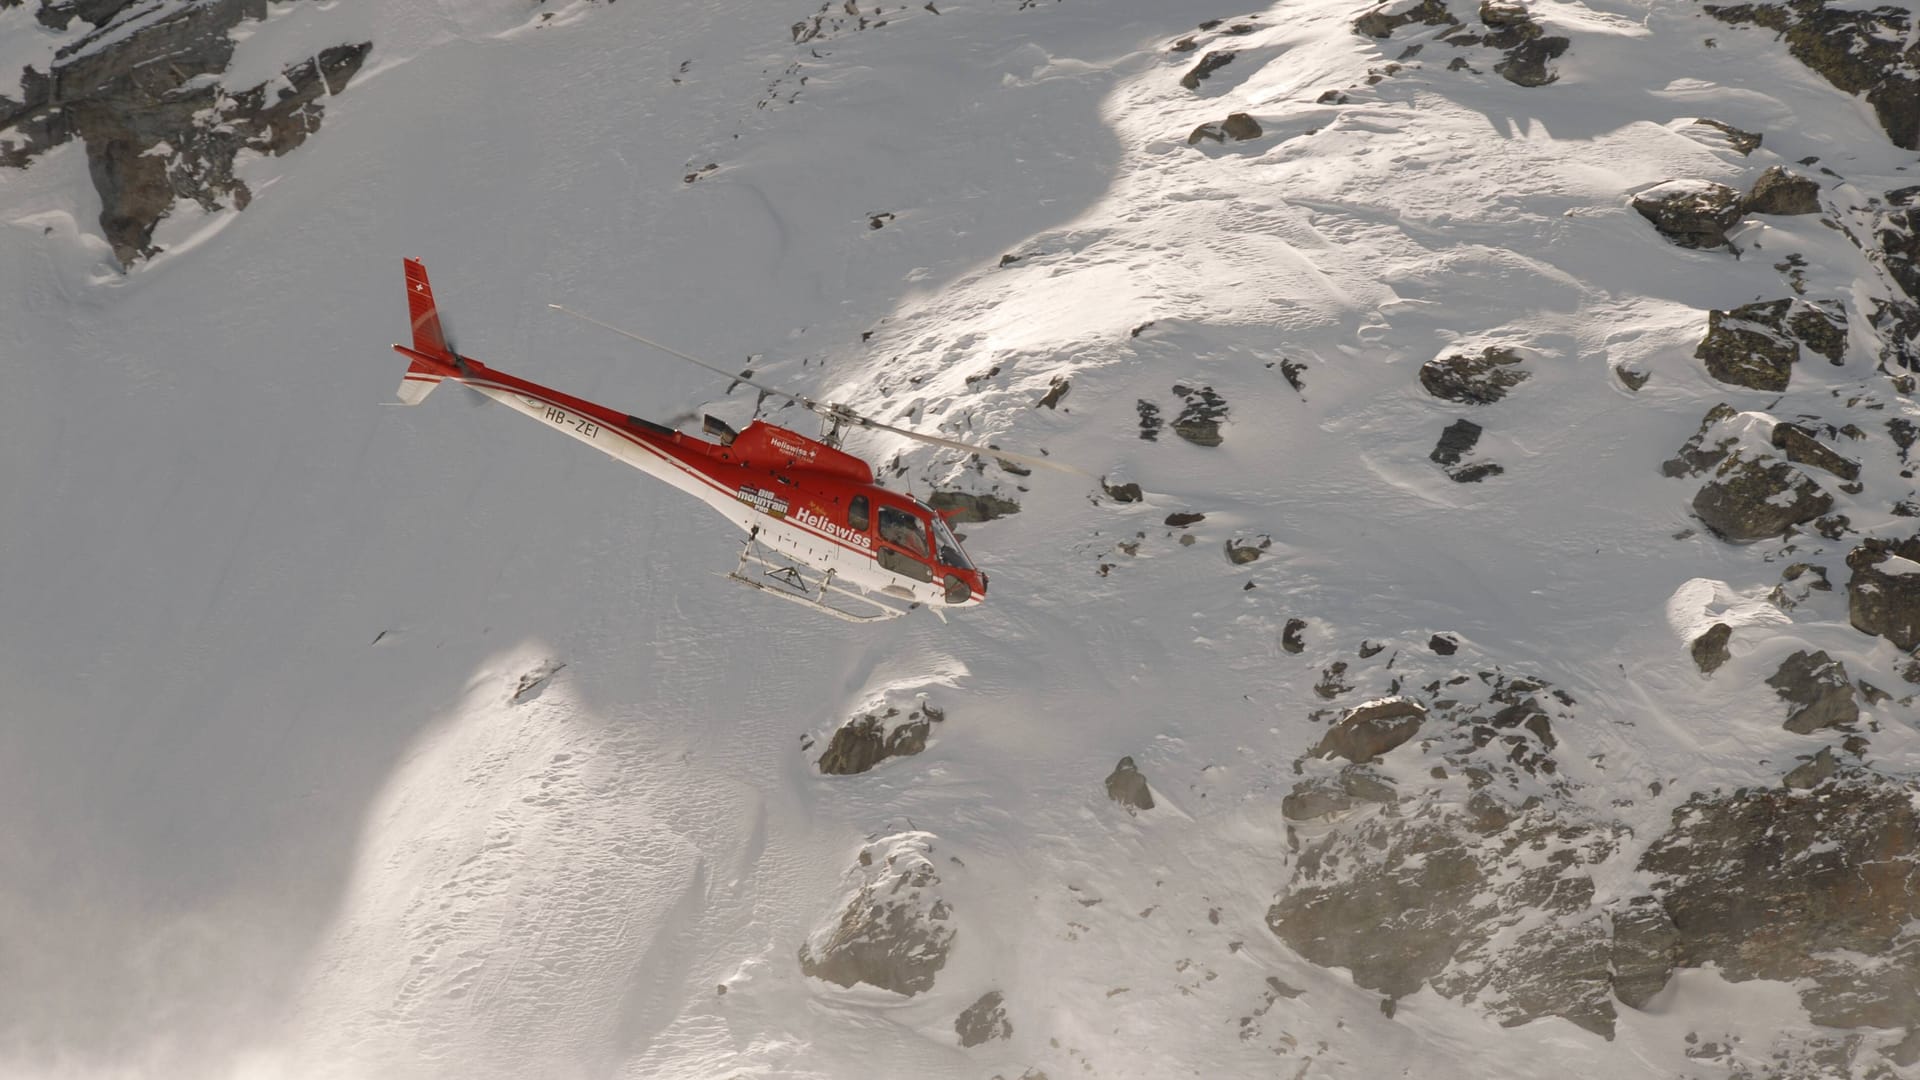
(788, 581)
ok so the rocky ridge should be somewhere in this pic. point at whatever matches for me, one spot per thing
(143, 92)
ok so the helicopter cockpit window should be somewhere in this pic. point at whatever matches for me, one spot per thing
(857, 513)
(950, 553)
(903, 529)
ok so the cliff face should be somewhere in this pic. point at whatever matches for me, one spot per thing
(142, 89)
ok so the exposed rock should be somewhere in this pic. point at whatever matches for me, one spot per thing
(1401, 903)
(1473, 380)
(157, 123)
(1237, 126)
(1897, 233)
(1745, 142)
(1814, 771)
(1290, 639)
(1458, 440)
(874, 736)
(534, 682)
(1443, 644)
(1208, 64)
(1126, 493)
(1526, 63)
(1149, 420)
(1822, 328)
(1804, 449)
(1816, 889)
(1055, 392)
(1696, 457)
(1201, 415)
(1383, 20)
(1750, 346)
(1371, 729)
(1783, 193)
(984, 1020)
(1240, 554)
(892, 930)
(1180, 519)
(1631, 377)
(1859, 49)
(965, 506)
(1127, 786)
(1897, 323)
(1321, 798)
(1691, 213)
(1646, 948)
(1710, 648)
(1751, 499)
(1817, 687)
(1883, 594)
(1333, 681)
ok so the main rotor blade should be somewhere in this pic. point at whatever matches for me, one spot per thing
(832, 412)
(804, 402)
(857, 420)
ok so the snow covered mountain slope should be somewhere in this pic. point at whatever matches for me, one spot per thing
(296, 783)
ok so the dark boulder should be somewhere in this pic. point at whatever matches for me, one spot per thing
(1883, 594)
(1237, 126)
(1371, 729)
(1646, 948)
(1383, 20)
(1750, 346)
(965, 506)
(1813, 772)
(1128, 787)
(892, 929)
(1208, 64)
(984, 1020)
(1804, 449)
(872, 737)
(1783, 193)
(1458, 440)
(1745, 142)
(1201, 414)
(1817, 688)
(1696, 456)
(1691, 213)
(1751, 500)
(1710, 649)
(1473, 380)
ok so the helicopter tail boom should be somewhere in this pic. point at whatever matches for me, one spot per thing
(432, 359)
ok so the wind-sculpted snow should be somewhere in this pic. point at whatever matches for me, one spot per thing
(1501, 612)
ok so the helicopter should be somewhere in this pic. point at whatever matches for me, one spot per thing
(820, 531)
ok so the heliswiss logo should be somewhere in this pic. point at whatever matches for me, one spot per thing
(832, 528)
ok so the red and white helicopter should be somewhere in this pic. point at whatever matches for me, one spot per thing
(819, 530)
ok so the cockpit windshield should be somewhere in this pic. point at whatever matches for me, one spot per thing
(950, 553)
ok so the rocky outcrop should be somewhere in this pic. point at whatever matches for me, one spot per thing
(891, 929)
(1456, 442)
(983, 1021)
(1473, 380)
(1691, 213)
(157, 123)
(1208, 64)
(1804, 448)
(1782, 193)
(1646, 949)
(1382, 20)
(1127, 786)
(1238, 127)
(1710, 649)
(874, 736)
(1818, 692)
(1372, 729)
(1201, 414)
(1865, 50)
(963, 506)
(1742, 142)
(1700, 453)
(1883, 595)
(1511, 27)
(1750, 346)
(1812, 888)
(1753, 498)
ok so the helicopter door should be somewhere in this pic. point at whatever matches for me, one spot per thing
(903, 544)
